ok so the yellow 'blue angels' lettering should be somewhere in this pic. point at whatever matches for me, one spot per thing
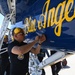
(51, 17)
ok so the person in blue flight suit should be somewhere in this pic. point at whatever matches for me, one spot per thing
(56, 67)
(41, 56)
(19, 52)
(4, 57)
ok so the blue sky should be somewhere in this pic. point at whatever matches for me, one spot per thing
(1, 19)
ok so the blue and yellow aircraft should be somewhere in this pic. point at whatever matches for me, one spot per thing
(54, 18)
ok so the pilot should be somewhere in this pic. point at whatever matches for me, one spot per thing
(19, 51)
(56, 67)
(41, 56)
(5, 64)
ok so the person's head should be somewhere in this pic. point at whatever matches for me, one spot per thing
(6, 38)
(18, 34)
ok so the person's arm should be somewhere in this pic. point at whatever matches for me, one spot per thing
(25, 48)
(37, 49)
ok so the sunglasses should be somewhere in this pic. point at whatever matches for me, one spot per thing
(21, 33)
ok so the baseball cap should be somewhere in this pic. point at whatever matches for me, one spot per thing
(17, 30)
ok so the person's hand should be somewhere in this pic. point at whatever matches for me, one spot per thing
(42, 39)
(37, 38)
